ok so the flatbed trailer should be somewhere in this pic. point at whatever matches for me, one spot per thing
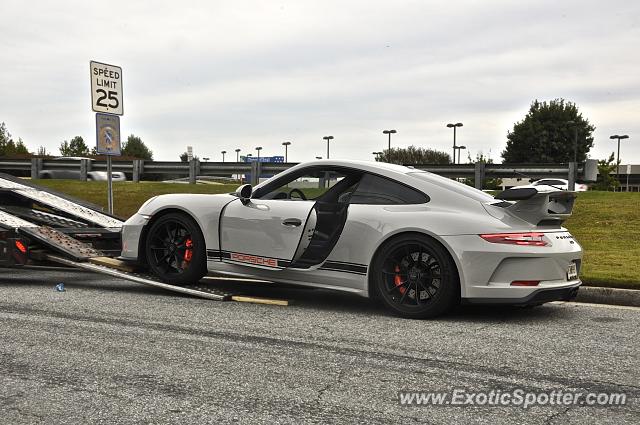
(39, 226)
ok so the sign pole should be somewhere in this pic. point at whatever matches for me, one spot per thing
(106, 101)
(109, 186)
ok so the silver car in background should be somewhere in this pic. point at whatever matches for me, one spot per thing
(117, 176)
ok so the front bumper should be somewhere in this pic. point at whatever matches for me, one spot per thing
(131, 233)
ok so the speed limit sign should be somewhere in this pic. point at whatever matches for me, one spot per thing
(106, 88)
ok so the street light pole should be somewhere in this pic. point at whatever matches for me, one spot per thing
(258, 148)
(328, 138)
(389, 132)
(459, 148)
(575, 140)
(286, 145)
(454, 126)
(615, 136)
(238, 155)
(223, 153)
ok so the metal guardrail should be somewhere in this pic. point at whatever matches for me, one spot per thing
(138, 168)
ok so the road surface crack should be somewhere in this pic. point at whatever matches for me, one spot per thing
(555, 415)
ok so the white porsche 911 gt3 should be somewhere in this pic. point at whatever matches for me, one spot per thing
(418, 241)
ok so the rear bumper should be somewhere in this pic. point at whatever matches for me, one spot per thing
(539, 296)
(487, 270)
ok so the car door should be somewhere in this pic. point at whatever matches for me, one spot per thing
(263, 233)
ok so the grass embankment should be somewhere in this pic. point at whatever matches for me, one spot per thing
(128, 196)
(606, 224)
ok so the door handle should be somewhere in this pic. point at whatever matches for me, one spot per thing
(291, 222)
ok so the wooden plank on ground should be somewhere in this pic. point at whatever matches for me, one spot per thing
(259, 300)
(113, 263)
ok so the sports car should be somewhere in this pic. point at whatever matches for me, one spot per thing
(419, 242)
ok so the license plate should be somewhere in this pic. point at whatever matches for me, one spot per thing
(572, 272)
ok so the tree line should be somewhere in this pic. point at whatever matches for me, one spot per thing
(133, 147)
(551, 132)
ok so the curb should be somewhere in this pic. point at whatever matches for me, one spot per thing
(600, 295)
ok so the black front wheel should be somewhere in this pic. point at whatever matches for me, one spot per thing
(415, 277)
(176, 250)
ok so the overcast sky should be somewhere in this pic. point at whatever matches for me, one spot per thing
(221, 75)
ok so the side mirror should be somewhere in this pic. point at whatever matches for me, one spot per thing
(244, 193)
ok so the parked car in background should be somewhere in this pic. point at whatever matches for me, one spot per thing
(117, 176)
(560, 184)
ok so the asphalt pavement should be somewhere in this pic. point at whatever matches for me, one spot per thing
(112, 351)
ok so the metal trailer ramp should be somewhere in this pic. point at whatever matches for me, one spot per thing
(59, 202)
(53, 223)
(197, 291)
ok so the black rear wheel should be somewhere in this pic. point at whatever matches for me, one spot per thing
(176, 250)
(415, 277)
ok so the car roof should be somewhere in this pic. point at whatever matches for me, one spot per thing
(372, 166)
(551, 178)
(407, 175)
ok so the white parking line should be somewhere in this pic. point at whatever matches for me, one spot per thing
(609, 306)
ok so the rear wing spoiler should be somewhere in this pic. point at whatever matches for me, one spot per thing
(539, 207)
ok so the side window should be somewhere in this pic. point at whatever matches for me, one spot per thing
(376, 190)
(312, 185)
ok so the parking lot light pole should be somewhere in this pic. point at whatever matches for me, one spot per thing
(572, 180)
(459, 148)
(575, 139)
(328, 138)
(454, 126)
(223, 153)
(258, 148)
(615, 136)
(389, 132)
(286, 145)
(238, 155)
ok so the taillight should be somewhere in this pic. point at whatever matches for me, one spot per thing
(526, 239)
(21, 247)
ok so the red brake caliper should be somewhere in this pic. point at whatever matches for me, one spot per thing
(188, 253)
(397, 280)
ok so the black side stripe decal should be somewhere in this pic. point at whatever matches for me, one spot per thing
(336, 266)
(213, 254)
(344, 267)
